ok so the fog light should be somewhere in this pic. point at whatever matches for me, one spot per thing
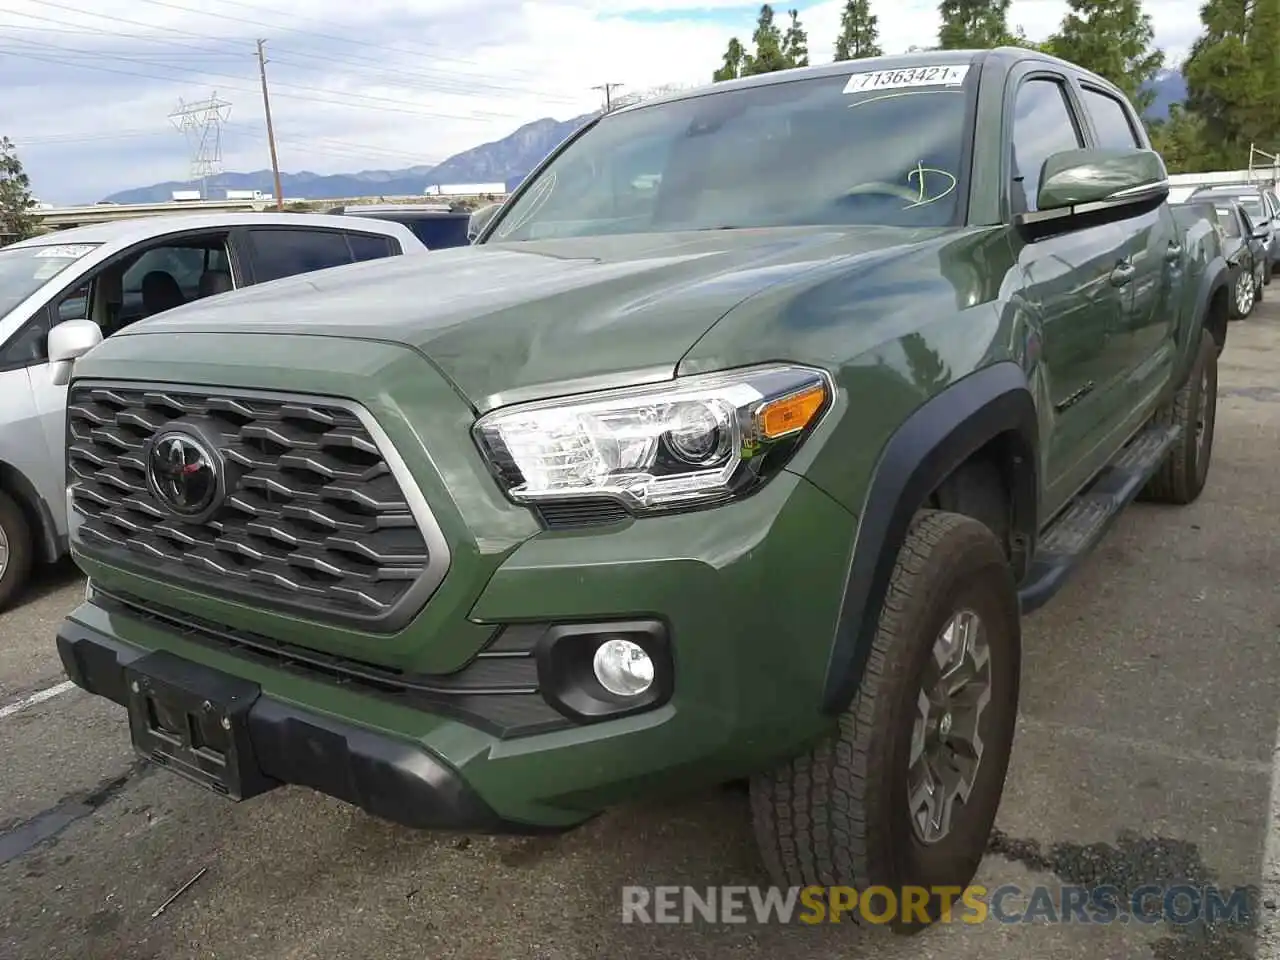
(623, 668)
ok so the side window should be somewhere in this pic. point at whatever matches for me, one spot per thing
(1110, 120)
(29, 345)
(1042, 126)
(285, 253)
(371, 246)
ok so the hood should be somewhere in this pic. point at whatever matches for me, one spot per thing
(520, 321)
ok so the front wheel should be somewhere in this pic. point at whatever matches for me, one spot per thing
(1243, 295)
(15, 550)
(905, 794)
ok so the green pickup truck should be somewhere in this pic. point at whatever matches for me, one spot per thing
(734, 448)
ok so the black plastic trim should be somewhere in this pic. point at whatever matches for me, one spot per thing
(927, 447)
(392, 779)
(493, 692)
(568, 682)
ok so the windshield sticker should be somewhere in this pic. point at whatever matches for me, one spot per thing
(951, 75)
(66, 251)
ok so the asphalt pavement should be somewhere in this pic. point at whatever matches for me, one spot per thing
(1145, 755)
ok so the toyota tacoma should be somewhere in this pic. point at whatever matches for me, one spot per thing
(735, 448)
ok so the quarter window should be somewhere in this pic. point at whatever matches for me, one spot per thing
(284, 253)
(1110, 120)
(370, 246)
(1042, 126)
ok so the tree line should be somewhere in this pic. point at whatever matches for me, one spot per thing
(1232, 72)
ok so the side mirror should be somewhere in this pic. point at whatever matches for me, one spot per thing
(480, 219)
(1076, 178)
(68, 341)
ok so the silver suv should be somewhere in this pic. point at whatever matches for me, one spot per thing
(62, 293)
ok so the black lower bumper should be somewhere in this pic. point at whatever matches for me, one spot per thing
(283, 744)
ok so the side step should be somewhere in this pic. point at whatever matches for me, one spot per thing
(1079, 528)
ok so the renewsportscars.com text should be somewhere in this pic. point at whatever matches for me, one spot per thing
(1151, 904)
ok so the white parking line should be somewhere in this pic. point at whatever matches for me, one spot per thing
(1269, 927)
(47, 694)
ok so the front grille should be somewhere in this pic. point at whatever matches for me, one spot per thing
(317, 518)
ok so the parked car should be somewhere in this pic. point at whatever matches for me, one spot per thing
(1243, 246)
(438, 226)
(1263, 209)
(723, 472)
(107, 277)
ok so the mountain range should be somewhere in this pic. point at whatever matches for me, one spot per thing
(507, 160)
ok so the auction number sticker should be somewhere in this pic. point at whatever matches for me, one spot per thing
(939, 76)
(65, 251)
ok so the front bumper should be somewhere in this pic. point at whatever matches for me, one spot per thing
(388, 778)
(749, 602)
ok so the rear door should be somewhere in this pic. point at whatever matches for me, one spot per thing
(1070, 299)
(1142, 338)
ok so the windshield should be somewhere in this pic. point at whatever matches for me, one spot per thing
(24, 270)
(1253, 207)
(1227, 218)
(884, 147)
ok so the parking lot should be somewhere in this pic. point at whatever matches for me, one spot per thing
(1145, 756)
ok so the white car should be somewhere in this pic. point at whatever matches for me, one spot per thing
(85, 284)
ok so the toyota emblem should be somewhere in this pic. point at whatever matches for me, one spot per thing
(183, 474)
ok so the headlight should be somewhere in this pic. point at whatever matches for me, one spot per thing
(690, 441)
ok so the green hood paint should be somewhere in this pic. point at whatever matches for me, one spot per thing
(515, 322)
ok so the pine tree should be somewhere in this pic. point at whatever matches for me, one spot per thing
(768, 40)
(1220, 80)
(973, 24)
(795, 44)
(859, 32)
(735, 61)
(16, 221)
(1260, 122)
(1114, 39)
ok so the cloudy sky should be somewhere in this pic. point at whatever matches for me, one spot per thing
(87, 86)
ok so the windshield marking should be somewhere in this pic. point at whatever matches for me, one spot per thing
(919, 174)
(505, 229)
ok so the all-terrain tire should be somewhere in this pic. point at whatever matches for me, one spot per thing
(838, 815)
(15, 539)
(1194, 408)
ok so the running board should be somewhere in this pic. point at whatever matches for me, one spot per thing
(1079, 528)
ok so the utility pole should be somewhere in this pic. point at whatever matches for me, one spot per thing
(608, 89)
(271, 134)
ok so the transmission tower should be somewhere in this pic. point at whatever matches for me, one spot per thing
(201, 124)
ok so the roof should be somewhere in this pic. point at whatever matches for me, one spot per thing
(1230, 190)
(132, 230)
(896, 61)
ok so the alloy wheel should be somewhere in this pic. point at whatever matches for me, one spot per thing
(946, 743)
(1244, 293)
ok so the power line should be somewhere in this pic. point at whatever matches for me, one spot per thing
(469, 87)
(373, 102)
(271, 134)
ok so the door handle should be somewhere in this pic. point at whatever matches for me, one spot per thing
(1122, 274)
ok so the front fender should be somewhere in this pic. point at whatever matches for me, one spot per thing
(941, 434)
